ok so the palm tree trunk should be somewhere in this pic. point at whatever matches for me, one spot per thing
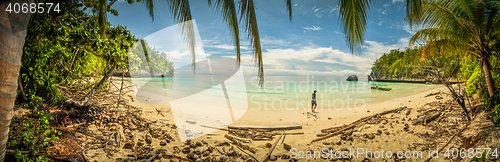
(490, 83)
(12, 34)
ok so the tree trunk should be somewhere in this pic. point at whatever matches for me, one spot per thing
(13, 28)
(92, 92)
(490, 83)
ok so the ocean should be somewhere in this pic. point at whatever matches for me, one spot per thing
(277, 92)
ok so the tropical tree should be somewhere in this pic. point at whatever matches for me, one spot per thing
(12, 36)
(460, 26)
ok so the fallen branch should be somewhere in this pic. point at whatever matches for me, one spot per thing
(238, 143)
(427, 118)
(247, 153)
(151, 158)
(442, 148)
(271, 151)
(110, 137)
(356, 123)
(75, 125)
(290, 133)
(92, 93)
(239, 139)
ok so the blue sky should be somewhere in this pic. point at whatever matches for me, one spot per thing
(312, 44)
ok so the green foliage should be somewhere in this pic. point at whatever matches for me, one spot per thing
(29, 157)
(33, 136)
(55, 39)
(408, 65)
(158, 63)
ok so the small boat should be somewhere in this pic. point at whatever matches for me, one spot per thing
(381, 87)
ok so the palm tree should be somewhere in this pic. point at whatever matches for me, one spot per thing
(463, 26)
(474, 24)
(12, 34)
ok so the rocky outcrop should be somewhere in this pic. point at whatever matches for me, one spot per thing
(352, 78)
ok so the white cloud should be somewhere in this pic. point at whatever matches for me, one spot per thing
(327, 10)
(395, 1)
(384, 12)
(316, 28)
(321, 60)
(406, 27)
(225, 46)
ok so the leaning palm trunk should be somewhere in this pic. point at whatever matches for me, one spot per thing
(12, 37)
(490, 83)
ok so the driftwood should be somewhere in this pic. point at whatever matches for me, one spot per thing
(266, 157)
(206, 126)
(238, 143)
(356, 123)
(266, 127)
(248, 153)
(286, 133)
(427, 118)
(151, 158)
(239, 139)
(333, 129)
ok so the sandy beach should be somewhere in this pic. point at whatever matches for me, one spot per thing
(382, 133)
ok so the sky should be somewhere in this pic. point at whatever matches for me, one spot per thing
(311, 44)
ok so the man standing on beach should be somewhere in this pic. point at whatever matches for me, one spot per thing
(313, 102)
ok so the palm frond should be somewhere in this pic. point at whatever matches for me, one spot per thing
(182, 14)
(440, 14)
(150, 6)
(440, 47)
(466, 7)
(413, 11)
(247, 9)
(437, 34)
(227, 9)
(353, 17)
(102, 19)
(493, 21)
(289, 8)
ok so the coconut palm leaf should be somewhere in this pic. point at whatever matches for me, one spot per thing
(493, 21)
(436, 34)
(250, 20)
(227, 9)
(182, 14)
(149, 4)
(289, 8)
(413, 11)
(353, 19)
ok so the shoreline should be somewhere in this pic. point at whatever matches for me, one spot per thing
(373, 107)
(362, 136)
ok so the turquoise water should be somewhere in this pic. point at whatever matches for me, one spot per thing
(289, 92)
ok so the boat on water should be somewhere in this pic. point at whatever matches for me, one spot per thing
(381, 87)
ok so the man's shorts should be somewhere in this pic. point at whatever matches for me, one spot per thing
(313, 103)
